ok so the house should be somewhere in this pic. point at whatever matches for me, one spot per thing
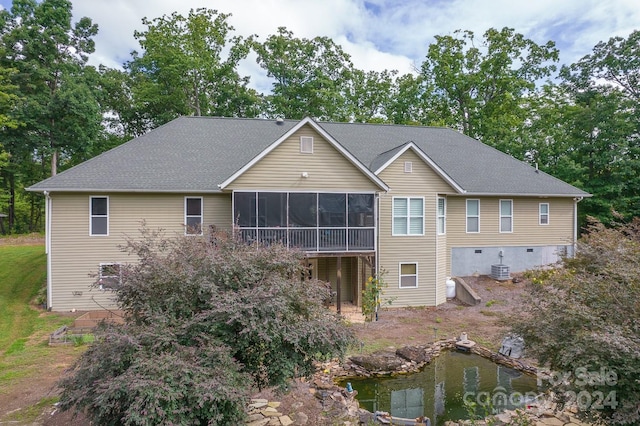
(419, 203)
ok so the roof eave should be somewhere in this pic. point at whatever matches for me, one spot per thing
(128, 191)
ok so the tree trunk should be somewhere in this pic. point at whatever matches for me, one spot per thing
(54, 162)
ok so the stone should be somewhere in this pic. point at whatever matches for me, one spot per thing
(512, 346)
(254, 417)
(274, 421)
(286, 421)
(268, 413)
(297, 405)
(381, 361)
(262, 422)
(301, 418)
(259, 404)
(273, 404)
(550, 421)
(413, 353)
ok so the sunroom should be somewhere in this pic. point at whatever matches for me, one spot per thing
(315, 222)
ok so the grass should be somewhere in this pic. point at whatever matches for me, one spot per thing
(24, 328)
(22, 274)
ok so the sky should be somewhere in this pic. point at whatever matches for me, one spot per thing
(378, 34)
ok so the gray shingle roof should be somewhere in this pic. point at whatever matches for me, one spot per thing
(196, 154)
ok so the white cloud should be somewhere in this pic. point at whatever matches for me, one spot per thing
(378, 34)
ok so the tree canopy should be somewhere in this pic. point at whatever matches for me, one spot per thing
(580, 125)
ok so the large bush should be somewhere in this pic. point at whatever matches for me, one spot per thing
(583, 321)
(207, 319)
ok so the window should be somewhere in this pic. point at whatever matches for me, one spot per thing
(99, 216)
(544, 214)
(110, 276)
(506, 215)
(193, 215)
(306, 144)
(408, 275)
(408, 216)
(442, 216)
(473, 215)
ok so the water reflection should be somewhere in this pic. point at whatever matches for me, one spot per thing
(439, 391)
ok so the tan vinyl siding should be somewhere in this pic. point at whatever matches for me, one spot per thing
(282, 169)
(75, 255)
(442, 262)
(393, 250)
(526, 228)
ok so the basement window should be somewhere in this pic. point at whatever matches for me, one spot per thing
(110, 276)
(408, 275)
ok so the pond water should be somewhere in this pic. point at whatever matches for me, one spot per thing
(441, 388)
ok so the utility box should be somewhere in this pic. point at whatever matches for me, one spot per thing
(500, 272)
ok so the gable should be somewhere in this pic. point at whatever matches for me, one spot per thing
(421, 179)
(287, 168)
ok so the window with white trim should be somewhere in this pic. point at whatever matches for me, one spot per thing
(99, 216)
(473, 216)
(506, 215)
(544, 214)
(306, 144)
(408, 275)
(408, 216)
(110, 276)
(193, 215)
(442, 215)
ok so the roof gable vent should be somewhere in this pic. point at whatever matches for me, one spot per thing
(306, 144)
(408, 167)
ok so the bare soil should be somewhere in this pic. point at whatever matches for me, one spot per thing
(486, 323)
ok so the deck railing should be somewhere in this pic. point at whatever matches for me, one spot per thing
(314, 239)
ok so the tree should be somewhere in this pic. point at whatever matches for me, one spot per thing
(182, 69)
(58, 113)
(583, 322)
(605, 125)
(481, 91)
(190, 304)
(311, 76)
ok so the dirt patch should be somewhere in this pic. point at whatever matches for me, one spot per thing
(483, 322)
(22, 240)
(395, 327)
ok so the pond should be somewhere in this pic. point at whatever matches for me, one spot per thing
(440, 390)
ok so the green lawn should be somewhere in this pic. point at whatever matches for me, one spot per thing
(23, 271)
(24, 328)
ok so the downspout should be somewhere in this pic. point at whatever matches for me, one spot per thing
(47, 245)
(377, 239)
(576, 200)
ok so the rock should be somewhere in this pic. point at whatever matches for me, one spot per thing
(297, 405)
(273, 404)
(381, 361)
(254, 417)
(512, 346)
(262, 422)
(301, 418)
(286, 421)
(413, 353)
(550, 421)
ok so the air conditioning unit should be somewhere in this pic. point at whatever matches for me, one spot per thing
(500, 272)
